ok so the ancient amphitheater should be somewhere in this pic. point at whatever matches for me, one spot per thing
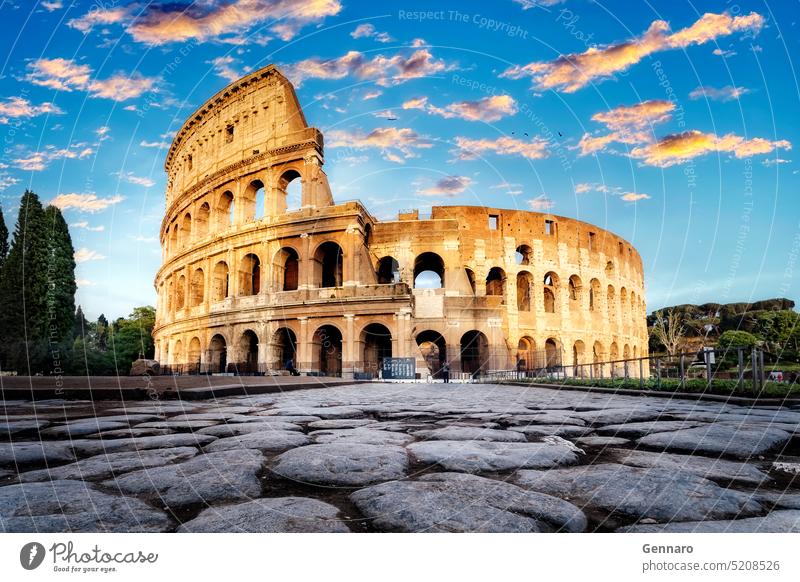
(249, 282)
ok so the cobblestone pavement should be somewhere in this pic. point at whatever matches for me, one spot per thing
(400, 457)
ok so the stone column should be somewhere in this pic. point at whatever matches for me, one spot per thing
(303, 363)
(348, 346)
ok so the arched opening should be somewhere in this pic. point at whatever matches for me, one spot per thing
(201, 220)
(626, 352)
(248, 353)
(219, 289)
(575, 287)
(614, 356)
(388, 271)
(496, 282)
(286, 269)
(550, 287)
(594, 294)
(524, 282)
(173, 239)
(290, 188)
(578, 350)
(285, 348)
(180, 293)
(471, 279)
(623, 303)
(327, 350)
(526, 353)
(433, 349)
(194, 356)
(377, 342)
(328, 265)
(186, 230)
(609, 269)
(261, 202)
(250, 275)
(170, 296)
(474, 352)
(523, 255)
(612, 304)
(428, 271)
(198, 287)
(217, 354)
(598, 356)
(250, 201)
(552, 354)
(178, 357)
(224, 210)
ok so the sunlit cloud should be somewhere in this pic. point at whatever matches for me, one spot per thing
(386, 71)
(85, 202)
(488, 109)
(634, 197)
(52, 6)
(84, 255)
(395, 144)
(37, 161)
(18, 107)
(160, 23)
(680, 147)
(629, 125)
(541, 202)
(67, 75)
(84, 224)
(154, 144)
(223, 67)
(727, 93)
(468, 149)
(625, 195)
(368, 31)
(131, 178)
(448, 186)
(569, 73)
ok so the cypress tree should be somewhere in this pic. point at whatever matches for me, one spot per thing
(23, 290)
(61, 276)
(81, 327)
(3, 240)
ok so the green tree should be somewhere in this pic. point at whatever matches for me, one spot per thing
(101, 333)
(23, 291)
(132, 338)
(81, 328)
(668, 330)
(3, 239)
(61, 277)
(732, 339)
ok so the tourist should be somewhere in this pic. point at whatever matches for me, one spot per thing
(446, 372)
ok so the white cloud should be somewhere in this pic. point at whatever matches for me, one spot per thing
(448, 186)
(367, 30)
(541, 202)
(83, 255)
(18, 107)
(131, 178)
(85, 202)
(67, 75)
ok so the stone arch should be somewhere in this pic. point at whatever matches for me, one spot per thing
(248, 352)
(170, 296)
(575, 291)
(284, 347)
(388, 271)
(173, 239)
(552, 353)
(471, 280)
(180, 293)
(193, 357)
(328, 265)
(186, 231)
(217, 353)
(290, 190)
(526, 353)
(376, 341)
(224, 210)
(177, 353)
(250, 275)
(197, 287)
(286, 269)
(252, 201)
(578, 356)
(428, 271)
(524, 286)
(594, 294)
(626, 352)
(496, 282)
(220, 284)
(201, 220)
(474, 352)
(610, 269)
(523, 255)
(598, 357)
(433, 349)
(611, 302)
(327, 350)
(623, 303)
(550, 292)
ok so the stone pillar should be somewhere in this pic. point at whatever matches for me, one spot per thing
(303, 363)
(305, 267)
(350, 275)
(348, 346)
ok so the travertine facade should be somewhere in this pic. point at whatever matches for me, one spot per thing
(248, 282)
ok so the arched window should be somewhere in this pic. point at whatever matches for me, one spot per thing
(201, 220)
(328, 265)
(217, 354)
(286, 269)
(253, 194)
(594, 294)
(173, 240)
(248, 353)
(198, 289)
(290, 188)
(224, 210)
(552, 353)
(180, 293)
(524, 255)
(612, 303)
(428, 271)
(327, 350)
(388, 271)
(471, 279)
(219, 289)
(575, 286)
(550, 287)
(377, 341)
(250, 275)
(609, 269)
(474, 352)
(186, 230)
(496, 282)
(524, 281)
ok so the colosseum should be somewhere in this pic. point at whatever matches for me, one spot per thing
(256, 281)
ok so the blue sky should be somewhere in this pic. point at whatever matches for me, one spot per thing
(672, 124)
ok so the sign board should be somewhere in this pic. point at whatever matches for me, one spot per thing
(399, 368)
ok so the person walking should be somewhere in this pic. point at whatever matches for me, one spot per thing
(446, 372)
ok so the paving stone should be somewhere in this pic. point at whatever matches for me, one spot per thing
(104, 466)
(366, 436)
(82, 428)
(464, 433)
(322, 412)
(652, 493)
(617, 416)
(710, 468)
(551, 417)
(74, 506)
(35, 452)
(456, 502)
(775, 522)
(337, 423)
(562, 430)
(789, 469)
(778, 499)
(226, 430)
(347, 464)
(179, 424)
(208, 478)
(719, 439)
(126, 418)
(17, 426)
(270, 440)
(601, 441)
(272, 515)
(297, 419)
(635, 430)
(482, 457)
(96, 446)
(130, 433)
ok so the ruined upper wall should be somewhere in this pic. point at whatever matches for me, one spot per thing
(256, 114)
